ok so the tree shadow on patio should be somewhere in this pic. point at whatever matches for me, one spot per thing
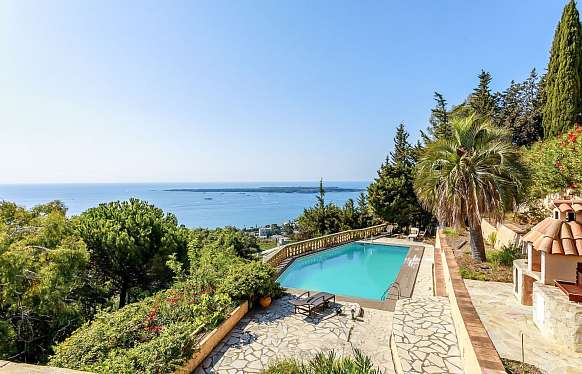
(281, 309)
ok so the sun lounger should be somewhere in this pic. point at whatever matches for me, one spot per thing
(413, 233)
(307, 305)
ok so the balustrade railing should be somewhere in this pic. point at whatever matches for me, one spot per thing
(322, 242)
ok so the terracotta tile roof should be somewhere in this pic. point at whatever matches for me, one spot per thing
(565, 207)
(568, 205)
(555, 236)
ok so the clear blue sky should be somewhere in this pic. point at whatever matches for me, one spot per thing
(111, 91)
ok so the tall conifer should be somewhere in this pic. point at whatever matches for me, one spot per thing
(439, 123)
(482, 100)
(563, 80)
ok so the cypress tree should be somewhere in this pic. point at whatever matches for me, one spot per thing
(563, 78)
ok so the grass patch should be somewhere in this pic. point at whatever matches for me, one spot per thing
(483, 271)
(265, 244)
(516, 367)
(451, 232)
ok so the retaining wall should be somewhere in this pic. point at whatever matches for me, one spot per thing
(210, 341)
(477, 350)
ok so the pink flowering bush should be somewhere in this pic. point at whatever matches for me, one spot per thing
(556, 164)
(155, 335)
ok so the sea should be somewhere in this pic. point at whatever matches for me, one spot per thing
(208, 205)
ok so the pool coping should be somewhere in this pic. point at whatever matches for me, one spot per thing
(406, 277)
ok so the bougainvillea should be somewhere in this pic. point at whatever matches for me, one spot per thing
(556, 164)
(155, 335)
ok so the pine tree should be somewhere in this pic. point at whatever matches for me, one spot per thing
(402, 154)
(439, 119)
(363, 211)
(439, 122)
(391, 195)
(563, 78)
(482, 101)
(520, 110)
(529, 129)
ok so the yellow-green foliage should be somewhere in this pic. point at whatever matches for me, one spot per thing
(42, 265)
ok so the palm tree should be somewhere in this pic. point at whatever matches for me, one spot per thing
(475, 173)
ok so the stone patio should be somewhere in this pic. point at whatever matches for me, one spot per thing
(425, 336)
(505, 320)
(265, 335)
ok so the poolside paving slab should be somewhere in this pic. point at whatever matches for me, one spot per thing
(424, 336)
(266, 335)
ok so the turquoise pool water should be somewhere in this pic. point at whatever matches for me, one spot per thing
(356, 269)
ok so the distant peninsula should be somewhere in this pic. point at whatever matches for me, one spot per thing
(297, 189)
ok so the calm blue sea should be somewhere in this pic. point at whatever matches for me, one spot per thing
(193, 209)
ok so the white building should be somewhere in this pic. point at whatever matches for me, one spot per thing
(265, 232)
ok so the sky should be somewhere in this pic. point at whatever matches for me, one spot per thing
(241, 90)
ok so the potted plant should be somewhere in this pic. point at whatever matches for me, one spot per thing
(266, 292)
(265, 301)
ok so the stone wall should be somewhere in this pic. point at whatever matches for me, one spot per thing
(506, 234)
(210, 341)
(556, 317)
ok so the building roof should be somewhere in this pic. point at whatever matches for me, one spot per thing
(556, 237)
(568, 205)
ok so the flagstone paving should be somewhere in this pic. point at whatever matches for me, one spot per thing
(505, 320)
(425, 336)
(276, 332)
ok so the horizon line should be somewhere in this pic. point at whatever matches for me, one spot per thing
(189, 182)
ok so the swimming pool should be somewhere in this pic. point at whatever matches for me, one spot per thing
(357, 269)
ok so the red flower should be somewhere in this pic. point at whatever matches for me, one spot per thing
(571, 137)
(558, 165)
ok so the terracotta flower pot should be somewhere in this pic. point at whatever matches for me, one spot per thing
(265, 301)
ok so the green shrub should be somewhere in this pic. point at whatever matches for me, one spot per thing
(506, 255)
(451, 232)
(285, 366)
(250, 280)
(492, 238)
(555, 164)
(468, 273)
(155, 335)
(324, 363)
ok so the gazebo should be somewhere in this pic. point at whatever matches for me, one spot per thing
(554, 247)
